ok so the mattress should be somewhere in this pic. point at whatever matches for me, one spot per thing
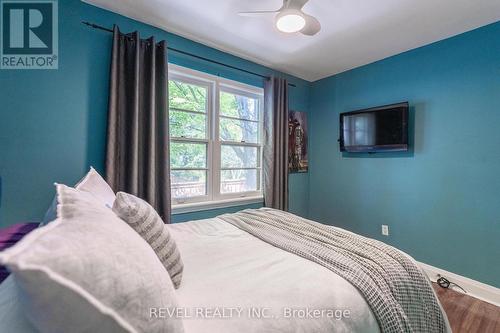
(234, 282)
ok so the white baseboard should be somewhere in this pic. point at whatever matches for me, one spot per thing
(474, 288)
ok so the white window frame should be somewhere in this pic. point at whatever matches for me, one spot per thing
(214, 199)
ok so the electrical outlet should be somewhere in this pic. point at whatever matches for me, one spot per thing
(385, 230)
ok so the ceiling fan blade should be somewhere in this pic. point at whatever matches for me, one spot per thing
(295, 4)
(312, 26)
(258, 12)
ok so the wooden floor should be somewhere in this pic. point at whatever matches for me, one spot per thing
(468, 314)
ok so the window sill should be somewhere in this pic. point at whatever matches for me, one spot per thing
(209, 205)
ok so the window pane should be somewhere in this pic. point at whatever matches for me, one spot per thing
(187, 96)
(191, 183)
(188, 125)
(238, 156)
(188, 155)
(238, 130)
(238, 106)
(234, 181)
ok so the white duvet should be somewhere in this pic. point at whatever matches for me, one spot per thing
(232, 278)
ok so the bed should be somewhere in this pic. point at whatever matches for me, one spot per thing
(236, 282)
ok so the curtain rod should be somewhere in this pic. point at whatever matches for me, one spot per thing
(95, 26)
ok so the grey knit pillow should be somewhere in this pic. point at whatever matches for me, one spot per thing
(145, 220)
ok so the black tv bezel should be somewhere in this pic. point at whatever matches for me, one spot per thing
(377, 148)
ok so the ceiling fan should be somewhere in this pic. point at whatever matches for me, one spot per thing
(291, 18)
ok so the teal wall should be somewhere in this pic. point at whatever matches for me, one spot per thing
(53, 122)
(442, 200)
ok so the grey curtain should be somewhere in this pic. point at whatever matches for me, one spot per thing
(137, 156)
(275, 160)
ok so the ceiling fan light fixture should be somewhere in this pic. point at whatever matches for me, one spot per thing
(290, 21)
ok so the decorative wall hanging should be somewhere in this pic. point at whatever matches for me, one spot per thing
(297, 142)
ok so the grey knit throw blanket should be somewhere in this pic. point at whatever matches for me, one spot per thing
(395, 287)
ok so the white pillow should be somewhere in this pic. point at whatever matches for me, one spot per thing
(88, 271)
(93, 183)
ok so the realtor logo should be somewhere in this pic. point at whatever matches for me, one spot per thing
(29, 34)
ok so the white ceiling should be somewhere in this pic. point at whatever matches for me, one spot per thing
(354, 32)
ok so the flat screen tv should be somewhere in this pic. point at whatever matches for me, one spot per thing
(379, 129)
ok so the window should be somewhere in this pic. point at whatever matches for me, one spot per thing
(215, 139)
